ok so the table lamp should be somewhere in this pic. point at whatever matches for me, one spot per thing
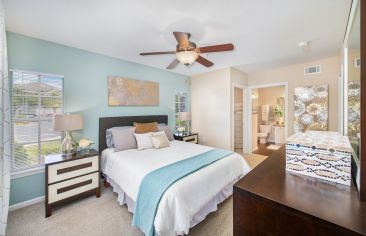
(186, 117)
(68, 123)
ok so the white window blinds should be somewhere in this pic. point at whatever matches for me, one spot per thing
(180, 106)
(35, 99)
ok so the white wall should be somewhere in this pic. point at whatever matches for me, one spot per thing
(212, 97)
(294, 75)
(211, 106)
(269, 95)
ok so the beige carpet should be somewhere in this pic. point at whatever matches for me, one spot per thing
(254, 159)
(103, 216)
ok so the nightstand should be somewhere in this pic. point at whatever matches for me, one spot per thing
(192, 138)
(69, 178)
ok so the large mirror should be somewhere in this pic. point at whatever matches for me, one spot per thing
(352, 85)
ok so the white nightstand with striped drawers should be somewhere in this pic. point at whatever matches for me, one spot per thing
(69, 178)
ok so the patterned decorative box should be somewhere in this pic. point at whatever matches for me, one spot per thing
(320, 154)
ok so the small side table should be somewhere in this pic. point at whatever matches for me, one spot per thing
(69, 178)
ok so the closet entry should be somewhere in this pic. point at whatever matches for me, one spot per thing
(238, 118)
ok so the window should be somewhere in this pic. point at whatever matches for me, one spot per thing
(35, 98)
(181, 105)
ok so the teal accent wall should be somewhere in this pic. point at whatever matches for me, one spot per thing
(26, 188)
(85, 90)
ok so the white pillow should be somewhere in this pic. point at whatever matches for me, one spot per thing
(159, 140)
(158, 133)
(144, 141)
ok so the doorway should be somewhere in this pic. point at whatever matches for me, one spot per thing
(267, 119)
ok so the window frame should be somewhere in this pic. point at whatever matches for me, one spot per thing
(40, 168)
(184, 94)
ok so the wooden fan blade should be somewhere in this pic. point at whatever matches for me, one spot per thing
(203, 61)
(217, 48)
(173, 64)
(182, 38)
(156, 53)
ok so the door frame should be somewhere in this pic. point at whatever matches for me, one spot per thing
(248, 129)
(232, 136)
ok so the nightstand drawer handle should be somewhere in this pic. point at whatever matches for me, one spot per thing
(71, 187)
(73, 168)
(190, 140)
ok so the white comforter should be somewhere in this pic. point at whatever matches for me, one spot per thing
(184, 198)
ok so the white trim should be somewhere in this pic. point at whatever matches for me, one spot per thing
(249, 110)
(26, 203)
(344, 79)
(346, 63)
(341, 98)
(27, 172)
(344, 95)
(35, 72)
(232, 142)
(350, 22)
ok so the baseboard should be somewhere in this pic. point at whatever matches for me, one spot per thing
(26, 203)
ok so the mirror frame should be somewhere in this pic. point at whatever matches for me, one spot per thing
(362, 187)
(358, 164)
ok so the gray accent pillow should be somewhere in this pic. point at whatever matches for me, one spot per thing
(124, 139)
(108, 135)
(167, 130)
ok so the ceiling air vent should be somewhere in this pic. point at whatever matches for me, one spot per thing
(310, 70)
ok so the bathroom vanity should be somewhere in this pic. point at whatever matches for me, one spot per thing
(277, 135)
(280, 134)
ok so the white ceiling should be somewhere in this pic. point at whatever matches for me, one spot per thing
(265, 32)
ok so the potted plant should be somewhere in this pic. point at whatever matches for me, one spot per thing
(279, 114)
(181, 130)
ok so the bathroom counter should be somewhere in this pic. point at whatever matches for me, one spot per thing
(277, 134)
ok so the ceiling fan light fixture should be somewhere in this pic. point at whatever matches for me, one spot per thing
(187, 57)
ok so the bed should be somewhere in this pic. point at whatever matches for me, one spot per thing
(185, 203)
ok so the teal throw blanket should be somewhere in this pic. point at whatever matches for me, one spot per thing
(158, 181)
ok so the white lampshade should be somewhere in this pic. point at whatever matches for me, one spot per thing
(67, 122)
(184, 116)
(186, 57)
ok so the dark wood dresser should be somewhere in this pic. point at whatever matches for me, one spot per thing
(270, 201)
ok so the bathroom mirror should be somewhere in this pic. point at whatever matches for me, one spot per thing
(352, 74)
(281, 102)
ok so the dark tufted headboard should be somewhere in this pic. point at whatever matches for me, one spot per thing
(109, 122)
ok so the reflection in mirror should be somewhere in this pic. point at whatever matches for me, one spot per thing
(353, 83)
(281, 102)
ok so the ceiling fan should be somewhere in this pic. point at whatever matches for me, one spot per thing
(187, 51)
